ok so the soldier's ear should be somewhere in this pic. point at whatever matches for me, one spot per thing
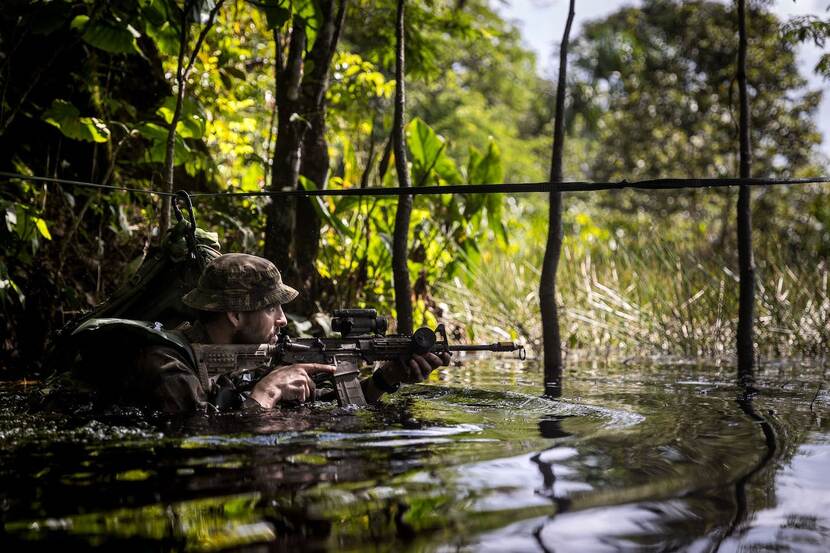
(233, 318)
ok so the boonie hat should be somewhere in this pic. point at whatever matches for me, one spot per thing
(239, 282)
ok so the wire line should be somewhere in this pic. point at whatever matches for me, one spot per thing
(500, 188)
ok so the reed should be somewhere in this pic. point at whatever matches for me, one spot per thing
(650, 299)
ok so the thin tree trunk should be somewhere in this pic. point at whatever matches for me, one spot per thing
(400, 270)
(164, 220)
(279, 231)
(550, 264)
(746, 265)
(182, 73)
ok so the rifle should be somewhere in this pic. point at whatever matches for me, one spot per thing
(363, 340)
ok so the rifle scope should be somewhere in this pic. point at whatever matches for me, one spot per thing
(356, 322)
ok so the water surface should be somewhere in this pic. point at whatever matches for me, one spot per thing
(638, 456)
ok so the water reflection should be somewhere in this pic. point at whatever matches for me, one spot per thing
(631, 458)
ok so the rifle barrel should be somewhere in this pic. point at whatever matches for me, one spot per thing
(498, 346)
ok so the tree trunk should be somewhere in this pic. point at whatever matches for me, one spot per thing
(315, 161)
(285, 171)
(550, 264)
(746, 265)
(400, 270)
(182, 74)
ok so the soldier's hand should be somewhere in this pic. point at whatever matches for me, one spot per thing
(415, 369)
(289, 383)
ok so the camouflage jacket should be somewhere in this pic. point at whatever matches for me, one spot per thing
(170, 382)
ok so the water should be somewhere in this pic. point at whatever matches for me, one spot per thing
(635, 457)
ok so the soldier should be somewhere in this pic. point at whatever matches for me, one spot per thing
(239, 299)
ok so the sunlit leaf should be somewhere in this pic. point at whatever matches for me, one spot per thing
(41, 226)
(79, 22)
(67, 118)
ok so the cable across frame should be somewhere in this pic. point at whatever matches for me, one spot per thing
(501, 188)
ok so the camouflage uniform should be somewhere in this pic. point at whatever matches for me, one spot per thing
(231, 282)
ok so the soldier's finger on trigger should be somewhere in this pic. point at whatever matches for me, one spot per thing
(424, 365)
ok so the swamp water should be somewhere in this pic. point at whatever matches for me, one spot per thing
(634, 457)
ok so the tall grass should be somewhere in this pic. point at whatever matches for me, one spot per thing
(652, 299)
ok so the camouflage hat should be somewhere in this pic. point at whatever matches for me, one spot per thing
(239, 282)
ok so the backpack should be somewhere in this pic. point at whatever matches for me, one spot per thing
(153, 293)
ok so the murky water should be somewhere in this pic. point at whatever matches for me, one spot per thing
(634, 457)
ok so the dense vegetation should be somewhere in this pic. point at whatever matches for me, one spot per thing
(88, 93)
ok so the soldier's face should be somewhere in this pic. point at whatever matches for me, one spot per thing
(261, 326)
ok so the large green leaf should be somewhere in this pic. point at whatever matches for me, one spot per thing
(487, 169)
(429, 157)
(67, 118)
(115, 37)
(424, 144)
(490, 171)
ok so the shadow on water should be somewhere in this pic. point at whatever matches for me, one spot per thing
(630, 458)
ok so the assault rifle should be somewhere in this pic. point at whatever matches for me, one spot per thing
(363, 340)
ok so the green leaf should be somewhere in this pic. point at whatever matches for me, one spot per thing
(277, 12)
(309, 12)
(41, 226)
(6, 283)
(192, 119)
(115, 38)
(487, 169)
(79, 22)
(165, 37)
(157, 135)
(423, 142)
(67, 118)
(429, 155)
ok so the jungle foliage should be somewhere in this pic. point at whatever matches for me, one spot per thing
(87, 92)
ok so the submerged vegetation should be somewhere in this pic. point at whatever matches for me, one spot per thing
(88, 94)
